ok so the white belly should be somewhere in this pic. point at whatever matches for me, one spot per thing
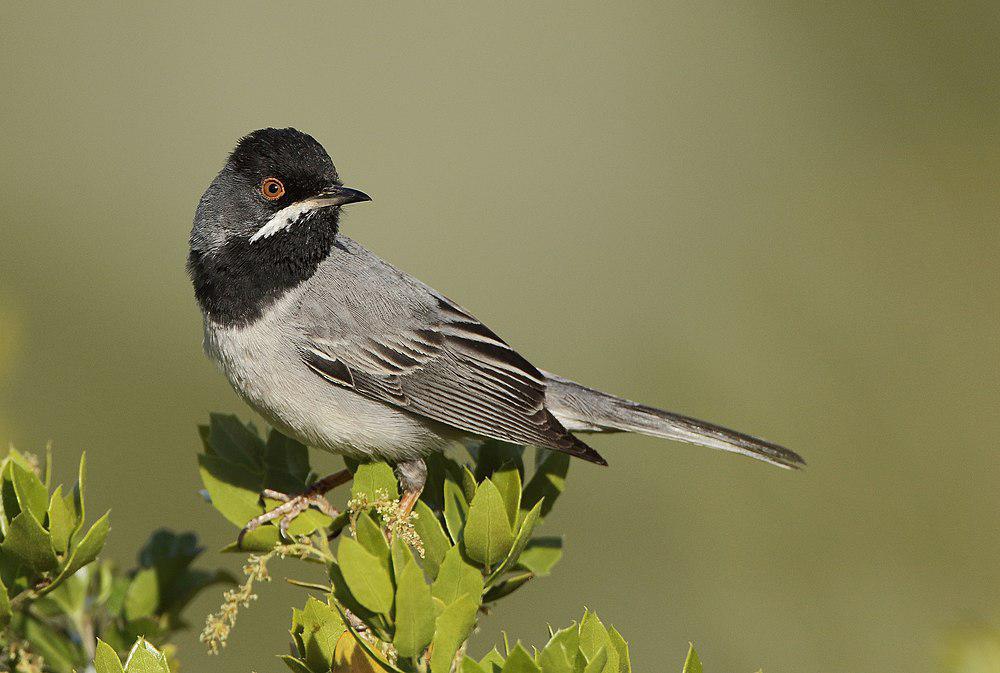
(263, 365)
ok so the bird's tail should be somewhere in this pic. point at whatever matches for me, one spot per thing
(583, 409)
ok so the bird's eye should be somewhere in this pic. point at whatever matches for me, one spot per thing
(272, 189)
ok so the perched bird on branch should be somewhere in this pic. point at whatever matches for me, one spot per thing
(342, 351)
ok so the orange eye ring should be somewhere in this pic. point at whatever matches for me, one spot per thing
(272, 189)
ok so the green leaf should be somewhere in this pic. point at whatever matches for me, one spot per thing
(519, 661)
(352, 657)
(60, 521)
(456, 509)
(365, 575)
(237, 466)
(509, 585)
(30, 544)
(401, 557)
(342, 593)
(105, 582)
(296, 631)
(144, 658)
(451, 629)
(85, 551)
(599, 663)
(487, 534)
(7, 495)
(370, 535)
(296, 665)
(233, 441)
(71, 595)
(692, 664)
(60, 653)
(436, 542)
(593, 634)
(541, 554)
(106, 660)
(372, 478)
(547, 483)
(414, 612)
(79, 509)
(508, 481)
(143, 595)
(89, 547)
(366, 646)
(114, 597)
(554, 659)
(31, 493)
(469, 665)
(318, 627)
(261, 539)
(468, 484)
(5, 612)
(594, 638)
(620, 648)
(492, 662)
(520, 542)
(287, 455)
(234, 489)
(456, 578)
(569, 640)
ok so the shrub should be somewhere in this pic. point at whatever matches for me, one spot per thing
(396, 593)
(57, 598)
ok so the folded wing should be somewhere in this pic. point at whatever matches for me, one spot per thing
(421, 352)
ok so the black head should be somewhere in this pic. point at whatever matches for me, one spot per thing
(265, 223)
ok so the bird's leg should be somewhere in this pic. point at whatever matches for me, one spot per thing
(412, 475)
(292, 506)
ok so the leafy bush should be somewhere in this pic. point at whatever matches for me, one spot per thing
(403, 593)
(57, 598)
(397, 592)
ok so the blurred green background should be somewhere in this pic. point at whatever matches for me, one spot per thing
(779, 216)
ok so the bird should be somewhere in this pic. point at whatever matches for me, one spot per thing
(341, 351)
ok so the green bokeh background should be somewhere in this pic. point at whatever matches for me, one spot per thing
(779, 216)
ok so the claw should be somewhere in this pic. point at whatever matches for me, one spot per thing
(283, 526)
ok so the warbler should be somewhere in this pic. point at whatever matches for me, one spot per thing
(344, 352)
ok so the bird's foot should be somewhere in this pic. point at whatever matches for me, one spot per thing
(285, 513)
(412, 475)
(292, 506)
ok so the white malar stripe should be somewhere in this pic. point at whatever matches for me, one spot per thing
(291, 215)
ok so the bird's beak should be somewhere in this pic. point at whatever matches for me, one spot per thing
(341, 196)
(289, 216)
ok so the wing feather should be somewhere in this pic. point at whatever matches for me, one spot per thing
(425, 354)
